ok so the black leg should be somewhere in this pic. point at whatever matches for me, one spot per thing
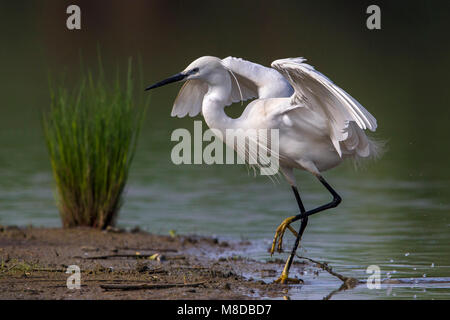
(334, 203)
(304, 216)
(299, 200)
(301, 230)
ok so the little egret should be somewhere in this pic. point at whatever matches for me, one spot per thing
(319, 124)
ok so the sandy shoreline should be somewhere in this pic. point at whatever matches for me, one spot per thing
(116, 264)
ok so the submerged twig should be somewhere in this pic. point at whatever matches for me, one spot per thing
(347, 282)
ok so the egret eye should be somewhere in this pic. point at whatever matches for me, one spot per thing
(195, 70)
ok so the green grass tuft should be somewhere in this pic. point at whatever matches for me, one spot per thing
(91, 135)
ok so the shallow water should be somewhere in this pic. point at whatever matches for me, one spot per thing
(395, 212)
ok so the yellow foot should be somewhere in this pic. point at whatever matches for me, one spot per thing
(284, 279)
(278, 238)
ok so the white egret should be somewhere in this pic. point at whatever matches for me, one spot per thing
(319, 124)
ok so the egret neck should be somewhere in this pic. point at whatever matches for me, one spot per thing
(215, 100)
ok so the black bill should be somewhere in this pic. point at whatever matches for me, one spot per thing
(174, 78)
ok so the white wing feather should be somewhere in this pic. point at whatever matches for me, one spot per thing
(189, 99)
(256, 80)
(248, 80)
(318, 93)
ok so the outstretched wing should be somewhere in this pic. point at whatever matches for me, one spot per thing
(253, 80)
(189, 99)
(318, 93)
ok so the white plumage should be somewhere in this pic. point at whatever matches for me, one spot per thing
(319, 124)
(248, 80)
(315, 91)
(265, 82)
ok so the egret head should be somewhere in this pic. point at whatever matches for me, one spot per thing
(205, 68)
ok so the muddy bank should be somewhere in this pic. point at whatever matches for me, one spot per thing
(116, 264)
